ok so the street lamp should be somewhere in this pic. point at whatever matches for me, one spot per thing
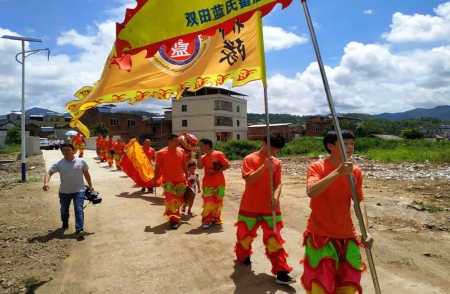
(24, 55)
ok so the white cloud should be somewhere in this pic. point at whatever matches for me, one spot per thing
(419, 27)
(293, 28)
(276, 38)
(29, 30)
(368, 11)
(369, 78)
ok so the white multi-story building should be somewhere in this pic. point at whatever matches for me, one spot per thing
(214, 113)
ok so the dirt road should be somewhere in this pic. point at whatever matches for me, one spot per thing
(130, 248)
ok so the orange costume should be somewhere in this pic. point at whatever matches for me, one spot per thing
(119, 152)
(332, 261)
(173, 180)
(109, 145)
(213, 187)
(99, 137)
(150, 152)
(255, 211)
(102, 149)
(78, 143)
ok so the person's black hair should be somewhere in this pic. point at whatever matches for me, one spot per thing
(331, 138)
(207, 142)
(192, 163)
(276, 141)
(171, 136)
(67, 145)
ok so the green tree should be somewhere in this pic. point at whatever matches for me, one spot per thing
(13, 136)
(361, 131)
(99, 128)
(411, 134)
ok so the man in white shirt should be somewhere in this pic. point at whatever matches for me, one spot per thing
(71, 170)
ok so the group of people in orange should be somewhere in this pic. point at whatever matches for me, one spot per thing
(332, 261)
(109, 150)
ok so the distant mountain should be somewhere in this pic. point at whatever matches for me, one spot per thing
(38, 111)
(139, 112)
(439, 112)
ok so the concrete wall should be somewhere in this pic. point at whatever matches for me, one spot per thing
(3, 137)
(90, 144)
(32, 146)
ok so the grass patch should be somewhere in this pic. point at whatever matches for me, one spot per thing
(374, 149)
(428, 207)
(29, 180)
(30, 283)
(11, 149)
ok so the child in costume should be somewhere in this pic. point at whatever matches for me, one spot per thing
(332, 262)
(256, 209)
(193, 183)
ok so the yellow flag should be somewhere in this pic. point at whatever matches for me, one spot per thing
(201, 62)
(153, 23)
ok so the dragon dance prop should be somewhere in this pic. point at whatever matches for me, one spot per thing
(137, 166)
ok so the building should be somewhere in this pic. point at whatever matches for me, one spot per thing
(317, 124)
(119, 124)
(442, 132)
(214, 113)
(157, 129)
(289, 131)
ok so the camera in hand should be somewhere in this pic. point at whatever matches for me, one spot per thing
(92, 196)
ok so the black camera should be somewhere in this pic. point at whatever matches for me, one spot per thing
(92, 196)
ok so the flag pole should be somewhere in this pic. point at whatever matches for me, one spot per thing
(341, 143)
(266, 108)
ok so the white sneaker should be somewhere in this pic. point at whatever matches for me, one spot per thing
(217, 223)
(206, 226)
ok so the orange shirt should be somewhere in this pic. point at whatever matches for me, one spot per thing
(149, 152)
(257, 196)
(171, 163)
(208, 161)
(98, 139)
(109, 144)
(78, 139)
(330, 211)
(119, 147)
(102, 144)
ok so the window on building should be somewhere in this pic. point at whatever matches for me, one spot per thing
(131, 123)
(218, 138)
(223, 105)
(238, 123)
(154, 130)
(184, 108)
(184, 123)
(238, 109)
(317, 129)
(114, 122)
(238, 136)
(224, 121)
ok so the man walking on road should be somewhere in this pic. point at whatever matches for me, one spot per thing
(214, 163)
(174, 178)
(71, 170)
(257, 206)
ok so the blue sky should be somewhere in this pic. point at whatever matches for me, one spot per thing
(339, 23)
